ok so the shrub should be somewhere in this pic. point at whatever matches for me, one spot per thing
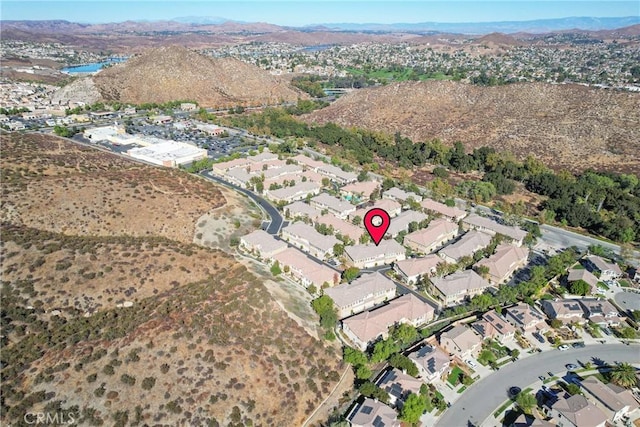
(148, 383)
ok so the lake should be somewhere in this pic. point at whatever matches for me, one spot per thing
(92, 67)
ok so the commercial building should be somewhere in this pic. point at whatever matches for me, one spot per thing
(169, 153)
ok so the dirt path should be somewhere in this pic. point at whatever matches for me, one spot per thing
(322, 412)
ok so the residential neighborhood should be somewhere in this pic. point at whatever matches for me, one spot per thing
(435, 260)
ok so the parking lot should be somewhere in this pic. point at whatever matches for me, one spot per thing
(216, 146)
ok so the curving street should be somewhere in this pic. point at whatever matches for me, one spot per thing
(276, 218)
(483, 397)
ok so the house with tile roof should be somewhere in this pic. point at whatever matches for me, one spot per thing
(584, 275)
(309, 240)
(466, 246)
(360, 190)
(298, 191)
(607, 270)
(455, 288)
(401, 196)
(565, 310)
(601, 312)
(449, 212)
(392, 207)
(398, 386)
(361, 294)
(461, 341)
(370, 255)
(493, 326)
(504, 263)
(305, 270)
(373, 413)
(526, 318)
(367, 327)
(617, 401)
(402, 221)
(576, 411)
(486, 225)
(263, 244)
(411, 270)
(341, 226)
(432, 362)
(301, 210)
(333, 205)
(438, 232)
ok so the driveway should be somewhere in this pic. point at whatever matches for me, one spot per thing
(483, 397)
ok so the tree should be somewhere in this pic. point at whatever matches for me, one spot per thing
(324, 307)
(404, 334)
(515, 353)
(338, 249)
(579, 287)
(383, 349)
(624, 374)
(402, 362)
(526, 402)
(354, 357)
(573, 389)
(413, 408)
(357, 220)
(275, 268)
(369, 389)
(555, 323)
(363, 176)
(350, 273)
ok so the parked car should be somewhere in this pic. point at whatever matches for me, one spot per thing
(571, 367)
(578, 345)
(539, 337)
(563, 347)
(542, 378)
(514, 391)
(471, 363)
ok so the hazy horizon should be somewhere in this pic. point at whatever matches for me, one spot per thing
(305, 13)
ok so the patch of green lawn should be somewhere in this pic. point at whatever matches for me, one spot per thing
(454, 376)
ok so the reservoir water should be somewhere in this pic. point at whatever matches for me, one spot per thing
(92, 67)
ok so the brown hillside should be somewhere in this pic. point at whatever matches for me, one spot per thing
(110, 313)
(567, 126)
(173, 73)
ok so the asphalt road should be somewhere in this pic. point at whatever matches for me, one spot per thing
(276, 218)
(482, 398)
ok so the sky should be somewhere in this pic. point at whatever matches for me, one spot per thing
(302, 12)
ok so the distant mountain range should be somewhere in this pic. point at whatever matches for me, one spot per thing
(507, 27)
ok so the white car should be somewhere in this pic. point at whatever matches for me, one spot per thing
(471, 363)
(563, 347)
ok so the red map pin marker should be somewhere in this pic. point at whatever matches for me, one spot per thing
(376, 221)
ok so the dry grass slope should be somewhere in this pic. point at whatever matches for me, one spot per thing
(566, 126)
(128, 327)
